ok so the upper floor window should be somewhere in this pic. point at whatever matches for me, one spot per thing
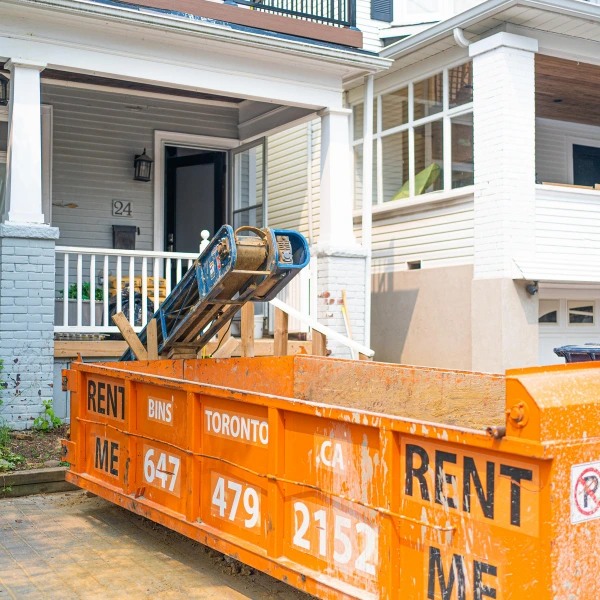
(423, 137)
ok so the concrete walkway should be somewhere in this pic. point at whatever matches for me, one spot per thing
(69, 545)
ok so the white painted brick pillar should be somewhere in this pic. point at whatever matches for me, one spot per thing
(26, 260)
(504, 317)
(341, 260)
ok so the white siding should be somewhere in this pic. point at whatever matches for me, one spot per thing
(96, 136)
(553, 148)
(370, 29)
(567, 235)
(438, 236)
(288, 179)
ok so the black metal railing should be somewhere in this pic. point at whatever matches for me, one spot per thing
(341, 13)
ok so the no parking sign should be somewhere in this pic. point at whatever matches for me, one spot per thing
(585, 492)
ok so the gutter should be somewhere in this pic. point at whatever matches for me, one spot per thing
(214, 30)
(574, 8)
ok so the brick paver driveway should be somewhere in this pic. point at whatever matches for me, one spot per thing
(70, 545)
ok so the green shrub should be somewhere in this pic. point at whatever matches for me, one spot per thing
(47, 419)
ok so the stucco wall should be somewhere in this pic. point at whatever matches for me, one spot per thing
(423, 317)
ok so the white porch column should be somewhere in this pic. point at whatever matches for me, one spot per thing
(504, 317)
(24, 160)
(336, 179)
(341, 260)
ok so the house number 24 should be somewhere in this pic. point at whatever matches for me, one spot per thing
(121, 208)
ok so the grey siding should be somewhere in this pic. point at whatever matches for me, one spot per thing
(96, 136)
(289, 179)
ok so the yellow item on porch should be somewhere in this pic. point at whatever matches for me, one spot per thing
(423, 180)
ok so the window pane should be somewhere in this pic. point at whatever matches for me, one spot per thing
(428, 96)
(394, 108)
(358, 176)
(460, 82)
(428, 158)
(248, 188)
(462, 151)
(358, 115)
(394, 149)
(3, 136)
(581, 312)
(548, 311)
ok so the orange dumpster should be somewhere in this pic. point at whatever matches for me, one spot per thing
(351, 479)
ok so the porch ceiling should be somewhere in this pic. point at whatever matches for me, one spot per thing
(567, 90)
(133, 86)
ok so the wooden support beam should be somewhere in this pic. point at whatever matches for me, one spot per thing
(362, 356)
(152, 340)
(280, 347)
(130, 336)
(319, 343)
(247, 329)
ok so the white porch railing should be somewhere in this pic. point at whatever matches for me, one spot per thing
(84, 302)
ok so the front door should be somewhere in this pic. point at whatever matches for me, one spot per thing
(194, 196)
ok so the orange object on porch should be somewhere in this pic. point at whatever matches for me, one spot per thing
(352, 479)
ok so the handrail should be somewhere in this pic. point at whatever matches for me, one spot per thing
(113, 252)
(327, 331)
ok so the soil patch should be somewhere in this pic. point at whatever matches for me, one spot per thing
(37, 449)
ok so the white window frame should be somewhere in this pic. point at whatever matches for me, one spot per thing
(47, 136)
(577, 141)
(445, 116)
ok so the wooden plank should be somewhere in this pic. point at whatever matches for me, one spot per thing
(281, 333)
(247, 329)
(152, 340)
(89, 349)
(319, 343)
(227, 348)
(130, 336)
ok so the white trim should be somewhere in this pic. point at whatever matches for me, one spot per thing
(571, 141)
(417, 203)
(166, 138)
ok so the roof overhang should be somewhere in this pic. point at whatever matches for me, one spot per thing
(492, 15)
(352, 61)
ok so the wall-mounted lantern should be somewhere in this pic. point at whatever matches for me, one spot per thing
(3, 90)
(142, 167)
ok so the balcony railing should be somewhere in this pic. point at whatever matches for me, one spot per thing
(341, 13)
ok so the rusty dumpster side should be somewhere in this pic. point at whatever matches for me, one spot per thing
(261, 459)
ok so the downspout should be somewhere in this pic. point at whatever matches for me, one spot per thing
(459, 37)
(367, 199)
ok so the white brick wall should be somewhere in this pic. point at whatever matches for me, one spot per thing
(337, 273)
(504, 146)
(26, 322)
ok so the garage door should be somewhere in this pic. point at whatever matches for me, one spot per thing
(567, 316)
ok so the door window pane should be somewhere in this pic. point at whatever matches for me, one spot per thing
(581, 312)
(248, 188)
(2, 184)
(462, 151)
(460, 82)
(428, 96)
(3, 136)
(395, 166)
(548, 311)
(428, 158)
(394, 109)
